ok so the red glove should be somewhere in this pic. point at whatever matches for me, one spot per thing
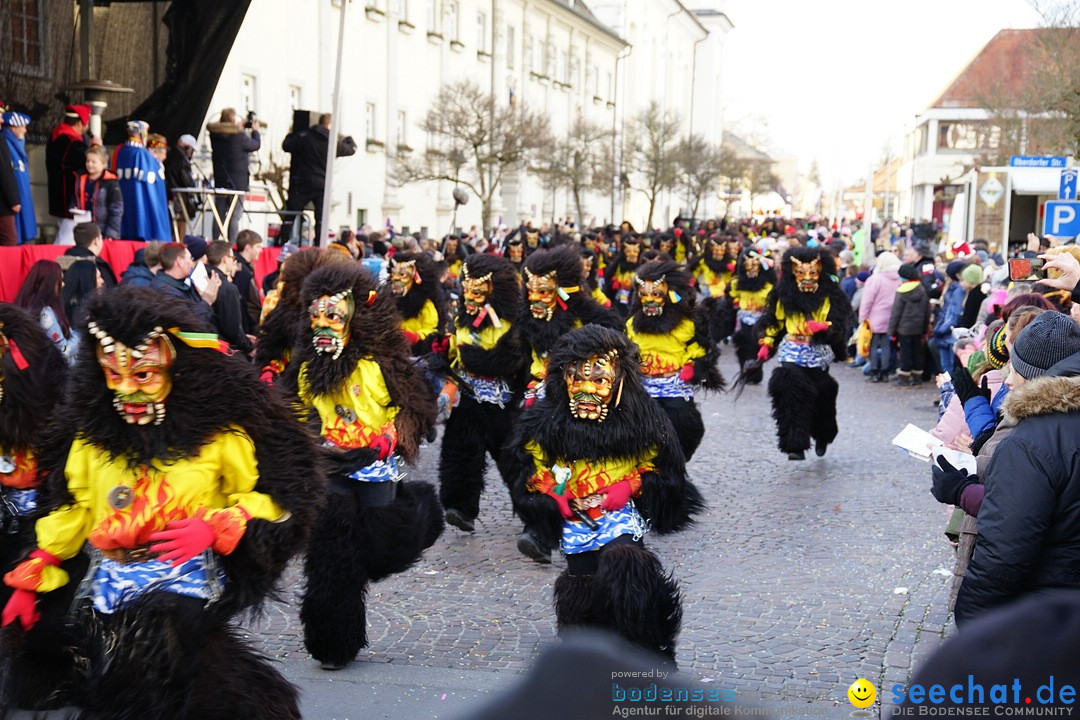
(563, 501)
(383, 445)
(687, 372)
(677, 232)
(763, 353)
(267, 376)
(530, 400)
(440, 346)
(615, 284)
(616, 496)
(816, 326)
(182, 540)
(411, 336)
(731, 267)
(21, 606)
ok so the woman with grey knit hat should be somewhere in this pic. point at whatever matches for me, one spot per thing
(1029, 521)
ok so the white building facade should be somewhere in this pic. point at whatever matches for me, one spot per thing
(555, 56)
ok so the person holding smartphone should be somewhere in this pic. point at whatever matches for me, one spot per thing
(174, 279)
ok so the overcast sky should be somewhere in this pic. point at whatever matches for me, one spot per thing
(835, 80)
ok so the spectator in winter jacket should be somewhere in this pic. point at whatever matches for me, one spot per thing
(228, 309)
(231, 143)
(174, 279)
(307, 171)
(875, 307)
(144, 266)
(952, 307)
(1029, 521)
(85, 270)
(178, 177)
(910, 317)
(98, 193)
(972, 277)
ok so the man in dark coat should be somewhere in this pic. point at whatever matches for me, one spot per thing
(172, 279)
(82, 265)
(248, 249)
(908, 323)
(228, 308)
(178, 177)
(1028, 538)
(231, 144)
(307, 172)
(65, 157)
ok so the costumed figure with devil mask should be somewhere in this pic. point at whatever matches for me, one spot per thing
(513, 249)
(372, 405)
(454, 251)
(556, 302)
(619, 274)
(677, 352)
(421, 300)
(589, 261)
(715, 266)
(178, 488)
(596, 466)
(485, 360)
(745, 299)
(804, 324)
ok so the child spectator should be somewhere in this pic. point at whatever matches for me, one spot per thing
(910, 316)
(98, 193)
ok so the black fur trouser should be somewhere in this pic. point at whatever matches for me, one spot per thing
(352, 546)
(689, 427)
(474, 430)
(621, 587)
(746, 350)
(803, 405)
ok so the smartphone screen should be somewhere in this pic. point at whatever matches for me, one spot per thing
(1024, 268)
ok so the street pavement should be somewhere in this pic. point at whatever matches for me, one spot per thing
(799, 579)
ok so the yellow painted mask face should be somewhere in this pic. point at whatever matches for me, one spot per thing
(543, 292)
(331, 316)
(515, 252)
(402, 277)
(717, 250)
(631, 251)
(586, 266)
(532, 239)
(752, 266)
(475, 292)
(653, 295)
(807, 274)
(591, 386)
(140, 378)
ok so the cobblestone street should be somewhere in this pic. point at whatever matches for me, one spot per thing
(800, 578)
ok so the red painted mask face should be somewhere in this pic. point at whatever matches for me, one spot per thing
(331, 316)
(475, 292)
(402, 276)
(632, 250)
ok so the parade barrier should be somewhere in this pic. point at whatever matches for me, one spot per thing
(15, 262)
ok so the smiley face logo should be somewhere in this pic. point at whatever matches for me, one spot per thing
(861, 694)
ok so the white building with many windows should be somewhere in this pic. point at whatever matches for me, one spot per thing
(561, 57)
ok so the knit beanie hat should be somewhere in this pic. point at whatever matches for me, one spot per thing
(975, 359)
(996, 352)
(954, 269)
(972, 275)
(1047, 340)
(909, 272)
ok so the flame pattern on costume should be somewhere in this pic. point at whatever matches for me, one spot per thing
(25, 472)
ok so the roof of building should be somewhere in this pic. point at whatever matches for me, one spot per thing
(743, 150)
(999, 72)
(579, 8)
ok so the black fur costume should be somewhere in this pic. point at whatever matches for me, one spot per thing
(621, 586)
(476, 428)
(428, 288)
(683, 412)
(164, 655)
(619, 274)
(804, 398)
(745, 337)
(355, 542)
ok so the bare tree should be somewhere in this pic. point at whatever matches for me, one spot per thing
(651, 154)
(700, 168)
(732, 170)
(760, 179)
(581, 162)
(474, 141)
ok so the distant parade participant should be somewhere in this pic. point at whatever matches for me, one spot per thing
(804, 324)
(677, 352)
(454, 253)
(142, 182)
(421, 300)
(589, 265)
(486, 360)
(178, 489)
(619, 273)
(596, 467)
(352, 367)
(747, 294)
(514, 251)
(556, 303)
(714, 267)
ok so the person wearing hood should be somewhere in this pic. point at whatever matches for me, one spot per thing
(910, 316)
(952, 308)
(144, 266)
(14, 132)
(231, 144)
(875, 307)
(1028, 539)
(65, 158)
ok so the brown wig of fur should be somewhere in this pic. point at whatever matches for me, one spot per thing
(633, 426)
(211, 391)
(277, 333)
(505, 297)
(429, 287)
(375, 332)
(787, 292)
(565, 262)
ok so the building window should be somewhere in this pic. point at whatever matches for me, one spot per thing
(564, 71)
(294, 97)
(452, 20)
(511, 48)
(481, 32)
(610, 87)
(247, 93)
(369, 121)
(26, 32)
(432, 16)
(595, 81)
(402, 126)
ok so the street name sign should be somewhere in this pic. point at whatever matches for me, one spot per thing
(1038, 161)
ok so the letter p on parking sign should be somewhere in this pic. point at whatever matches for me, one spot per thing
(1062, 219)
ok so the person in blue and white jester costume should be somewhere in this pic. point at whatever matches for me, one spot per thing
(142, 182)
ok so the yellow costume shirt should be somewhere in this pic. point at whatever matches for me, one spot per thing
(589, 477)
(666, 354)
(425, 323)
(749, 300)
(486, 338)
(356, 412)
(794, 323)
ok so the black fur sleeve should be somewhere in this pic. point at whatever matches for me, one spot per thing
(503, 360)
(840, 317)
(669, 500)
(768, 318)
(538, 511)
(706, 372)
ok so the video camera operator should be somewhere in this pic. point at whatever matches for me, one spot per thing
(231, 141)
(307, 172)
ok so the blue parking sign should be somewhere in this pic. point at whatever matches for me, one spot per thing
(1062, 219)
(1067, 188)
